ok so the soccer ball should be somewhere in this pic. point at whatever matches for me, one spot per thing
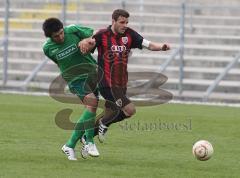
(202, 150)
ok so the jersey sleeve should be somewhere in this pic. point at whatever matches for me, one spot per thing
(47, 53)
(97, 37)
(83, 32)
(137, 39)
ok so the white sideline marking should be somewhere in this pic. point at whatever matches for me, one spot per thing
(205, 103)
(24, 93)
(170, 102)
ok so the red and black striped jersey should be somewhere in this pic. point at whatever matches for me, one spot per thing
(113, 53)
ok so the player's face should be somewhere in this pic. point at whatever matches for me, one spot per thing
(58, 37)
(120, 25)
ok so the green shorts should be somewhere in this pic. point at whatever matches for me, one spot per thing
(83, 87)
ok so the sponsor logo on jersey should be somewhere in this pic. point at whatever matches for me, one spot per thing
(116, 48)
(67, 51)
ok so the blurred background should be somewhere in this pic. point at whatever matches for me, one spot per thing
(203, 64)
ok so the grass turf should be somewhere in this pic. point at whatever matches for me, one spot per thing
(156, 142)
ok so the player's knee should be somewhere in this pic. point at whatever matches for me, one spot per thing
(91, 101)
(132, 111)
(129, 110)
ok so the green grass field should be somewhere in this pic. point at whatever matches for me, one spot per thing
(156, 142)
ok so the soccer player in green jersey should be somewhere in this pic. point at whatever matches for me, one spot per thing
(79, 71)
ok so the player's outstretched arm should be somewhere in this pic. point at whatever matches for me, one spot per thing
(155, 46)
(86, 45)
(158, 47)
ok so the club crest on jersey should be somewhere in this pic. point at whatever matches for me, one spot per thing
(125, 40)
(119, 102)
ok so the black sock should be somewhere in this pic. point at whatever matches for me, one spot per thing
(106, 118)
(121, 116)
(109, 118)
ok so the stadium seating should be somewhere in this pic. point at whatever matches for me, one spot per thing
(211, 41)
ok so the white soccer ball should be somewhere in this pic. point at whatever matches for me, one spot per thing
(202, 150)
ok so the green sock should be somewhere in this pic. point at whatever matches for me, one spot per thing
(80, 128)
(89, 126)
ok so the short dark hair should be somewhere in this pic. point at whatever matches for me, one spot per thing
(119, 12)
(51, 25)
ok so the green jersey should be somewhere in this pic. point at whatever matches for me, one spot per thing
(71, 62)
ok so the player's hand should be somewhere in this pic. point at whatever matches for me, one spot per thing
(165, 47)
(86, 45)
(83, 45)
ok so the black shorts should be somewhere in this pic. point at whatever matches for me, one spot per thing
(114, 95)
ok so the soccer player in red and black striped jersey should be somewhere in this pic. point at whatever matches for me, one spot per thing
(114, 45)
